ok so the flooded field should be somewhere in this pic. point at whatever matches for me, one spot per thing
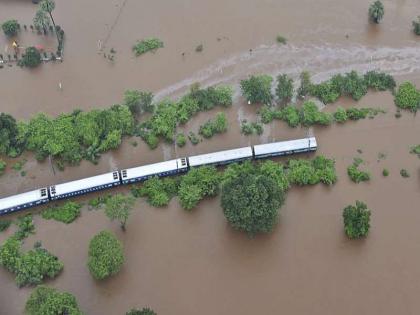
(180, 262)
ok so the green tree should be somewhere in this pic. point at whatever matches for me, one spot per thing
(118, 207)
(41, 20)
(105, 256)
(376, 11)
(31, 58)
(48, 6)
(8, 135)
(10, 28)
(49, 301)
(408, 97)
(251, 203)
(138, 101)
(356, 220)
(284, 89)
(257, 89)
(143, 311)
(416, 26)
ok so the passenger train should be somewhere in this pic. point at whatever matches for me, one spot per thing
(141, 173)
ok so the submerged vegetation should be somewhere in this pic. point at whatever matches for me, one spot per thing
(356, 220)
(408, 97)
(214, 126)
(257, 89)
(118, 207)
(143, 311)
(10, 28)
(355, 174)
(65, 213)
(251, 128)
(149, 44)
(158, 192)
(416, 26)
(376, 11)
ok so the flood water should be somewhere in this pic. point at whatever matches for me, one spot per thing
(180, 262)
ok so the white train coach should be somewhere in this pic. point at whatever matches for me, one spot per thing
(221, 157)
(285, 148)
(23, 201)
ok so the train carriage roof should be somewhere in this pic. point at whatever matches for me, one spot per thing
(220, 157)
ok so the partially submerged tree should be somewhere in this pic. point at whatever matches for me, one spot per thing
(356, 220)
(284, 88)
(376, 11)
(138, 101)
(10, 28)
(48, 6)
(143, 311)
(105, 256)
(257, 89)
(45, 300)
(41, 20)
(416, 26)
(119, 207)
(31, 58)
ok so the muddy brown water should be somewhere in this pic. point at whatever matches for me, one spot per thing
(180, 262)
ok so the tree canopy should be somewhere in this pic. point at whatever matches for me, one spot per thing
(105, 256)
(257, 89)
(31, 58)
(10, 28)
(376, 11)
(356, 220)
(118, 207)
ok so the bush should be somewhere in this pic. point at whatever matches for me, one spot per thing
(284, 90)
(10, 28)
(210, 97)
(25, 227)
(193, 138)
(355, 174)
(248, 128)
(31, 58)
(181, 140)
(145, 45)
(376, 11)
(356, 220)
(281, 40)
(257, 89)
(340, 115)
(415, 150)
(4, 225)
(49, 301)
(159, 192)
(407, 97)
(291, 115)
(404, 173)
(416, 26)
(31, 267)
(66, 213)
(143, 311)
(212, 127)
(198, 183)
(306, 172)
(385, 172)
(105, 256)
(2, 166)
(305, 84)
(310, 115)
(379, 81)
(138, 101)
(251, 203)
(118, 207)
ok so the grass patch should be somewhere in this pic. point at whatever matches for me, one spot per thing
(149, 44)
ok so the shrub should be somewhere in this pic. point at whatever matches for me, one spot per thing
(105, 256)
(340, 115)
(379, 81)
(415, 150)
(4, 225)
(355, 174)
(305, 84)
(186, 108)
(2, 166)
(49, 301)
(257, 89)
(284, 89)
(31, 267)
(25, 227)
(311, 172)
(251, 203)
(10, 28)
(66, 213)
(404, 173)
(281, 40)
(181, 140)
(193, 138)
(143, 311)
(145, 45)
(289, 114)
(118, 207)
(138, 101)
(416, 26)
(407, 97)
(376, 11)
(385, 172)
(310, 115)
(159, 192)
(31, 58)
(356, 220)
(276, 172)
(212, 127)
(198, 183)
(248, 128)
(210, 97)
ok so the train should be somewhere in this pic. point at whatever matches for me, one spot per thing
(138, 174)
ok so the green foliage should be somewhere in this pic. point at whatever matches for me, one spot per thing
(65, 213)
(385, 172)
(416, 26)
(376, 11)
(310, 115)
(118, 207)
(251, 128)
(181, 140)
(281, 40)
(257, 89)
(305, 84)
(10, 28)
(306, 172)
(276, 172)
(415, 150)
(251, 203)
(10, 143)
(290, 114)
(41, 20)
(356, 220)
(49, 301)
(193, 138)
(212, 127)
(210, 97)
(145, 45)
(197, 184)
(159, 192)
(355, 174)
(31, 58)
(379, 81)
(47, 5)
(284, 89)
(25, 226)
(19, 165)
(138, 101)
(31, 267)
(404, 173)
(4, 225)
(2, 166)
(408, 97)
(105, 256)
(143, 311)
(340, 115)
(97, 202)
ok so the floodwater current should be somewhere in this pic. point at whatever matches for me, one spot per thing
(180, 262)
